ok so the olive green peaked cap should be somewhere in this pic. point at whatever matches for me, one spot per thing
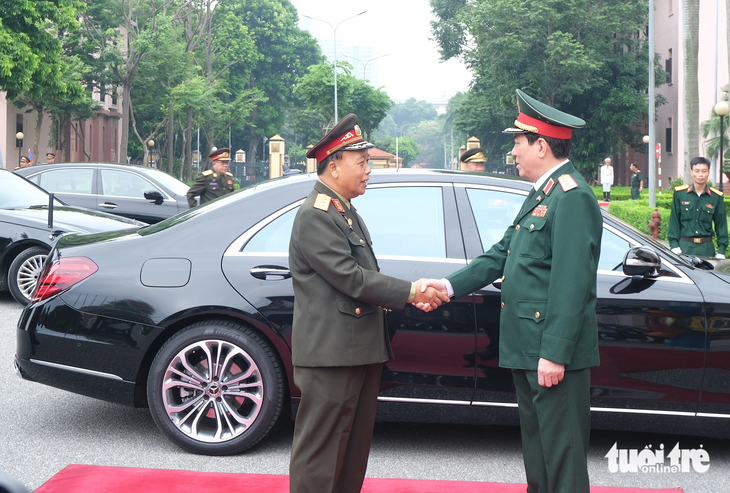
(539, 118)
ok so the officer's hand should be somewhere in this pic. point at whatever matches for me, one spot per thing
(549, 373)
(677, 250)
(720, 256)
(428, 298)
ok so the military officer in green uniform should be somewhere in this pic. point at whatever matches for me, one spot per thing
(548, 259)
(694, 210)
(212, 183)
(339, 339)
(637, 182)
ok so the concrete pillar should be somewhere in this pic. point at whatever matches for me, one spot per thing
(311, 162)
(276, 156)
(462, 150)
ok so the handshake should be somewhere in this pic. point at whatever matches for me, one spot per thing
(430, 293)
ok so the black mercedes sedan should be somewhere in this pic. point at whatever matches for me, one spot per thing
(136, 192)
(192, 317)
(28, 228)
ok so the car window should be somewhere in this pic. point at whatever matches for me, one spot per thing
(125, 184)
(613, 249)
(18, 193)
(274, 237)
(170, 182)
(405, 221)
(67, 180)
(392, 232)
(493, 211)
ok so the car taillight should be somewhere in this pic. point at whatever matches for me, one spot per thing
(61, 275)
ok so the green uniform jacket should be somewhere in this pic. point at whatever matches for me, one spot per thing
(209, 185)
(636, 180)
(549, 258)
(339, 293)
(693, 216)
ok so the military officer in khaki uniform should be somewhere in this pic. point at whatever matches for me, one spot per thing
(694, 210)
(212, 183)
(24, 163)
(474, 160)
(339, 339)
(548, 329)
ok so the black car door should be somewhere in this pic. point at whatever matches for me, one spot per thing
(122, 192)
(431, 350)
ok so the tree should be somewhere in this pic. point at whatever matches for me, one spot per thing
(412, 111)
(407, 148)
(316, 88)
(583, 57)
(712, 127)
(29, 48)
(691, 93)
(369, 104)
(429, 139)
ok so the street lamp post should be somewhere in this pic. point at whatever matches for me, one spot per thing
(646, 140)
(334, 31)
(19, 141)
(722, 109)
(150, 145)
(364, 65)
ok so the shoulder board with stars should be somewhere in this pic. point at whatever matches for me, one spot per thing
(715, 190)
(322, 202)
(680, 188)
(567, 183)
(207, 172)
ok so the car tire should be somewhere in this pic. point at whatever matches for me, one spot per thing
(24, 272)
(199, 410)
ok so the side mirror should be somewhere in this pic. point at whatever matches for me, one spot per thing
(642, 261)
(156, 196)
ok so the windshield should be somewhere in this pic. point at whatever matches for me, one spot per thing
(19, 193)
(177, 187)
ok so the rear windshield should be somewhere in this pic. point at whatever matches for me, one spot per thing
(18, 193)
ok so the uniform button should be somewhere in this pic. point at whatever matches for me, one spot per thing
(537, 314)
(532, 226)
(357, 311)
(503, 304)
(362, 241)
(518, 227)
(509, 253)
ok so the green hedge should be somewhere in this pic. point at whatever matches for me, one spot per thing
(638, 214)
(662, 200)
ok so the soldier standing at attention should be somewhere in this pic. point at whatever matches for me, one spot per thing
(548, 328)
(339, 338)
(694, 209)
(212, 183)
(607, 178)
(637, 182)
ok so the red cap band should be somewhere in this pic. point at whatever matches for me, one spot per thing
(542, 128)
(349, 137)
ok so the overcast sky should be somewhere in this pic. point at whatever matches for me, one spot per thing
(399, 28)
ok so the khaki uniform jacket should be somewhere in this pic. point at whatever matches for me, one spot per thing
(209, 185)
(549, 258)
(339, 293)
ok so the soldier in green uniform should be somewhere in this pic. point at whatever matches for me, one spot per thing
(212, 183)
(548, 258)
(339, 338)
(694, 209)
(637, 182)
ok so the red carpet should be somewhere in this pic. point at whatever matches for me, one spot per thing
(102, 479)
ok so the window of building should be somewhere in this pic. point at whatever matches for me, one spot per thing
(668, 138)
(668, 66)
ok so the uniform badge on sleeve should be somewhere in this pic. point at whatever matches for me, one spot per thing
(567, 183)
(322, 202)
(539, 211)
(338, 205)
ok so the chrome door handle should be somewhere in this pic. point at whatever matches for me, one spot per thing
(271, 272)
(107, 205)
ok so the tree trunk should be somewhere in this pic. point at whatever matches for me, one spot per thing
(38, 125)
(691, 34)
(171, 143)
(124, 137)
(189, 146)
